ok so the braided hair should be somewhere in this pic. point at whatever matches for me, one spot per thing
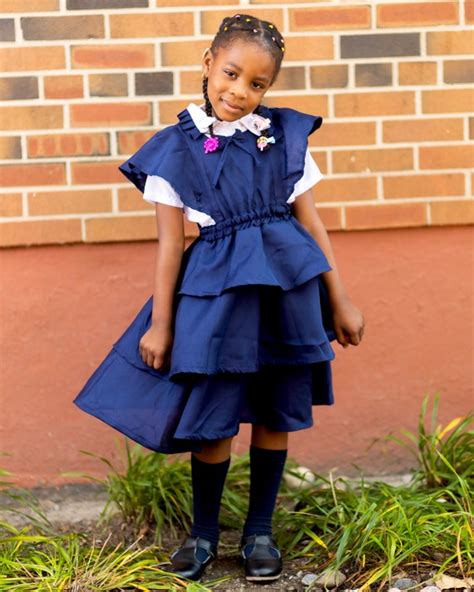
(252, 29)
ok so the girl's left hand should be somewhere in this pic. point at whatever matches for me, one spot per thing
(348, 323)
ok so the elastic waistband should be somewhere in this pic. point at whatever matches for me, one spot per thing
(264, 215)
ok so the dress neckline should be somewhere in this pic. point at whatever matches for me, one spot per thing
(188, 124)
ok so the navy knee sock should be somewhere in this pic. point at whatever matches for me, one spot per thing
(208, 483)
(266, 470)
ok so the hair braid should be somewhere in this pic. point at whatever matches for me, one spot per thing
(208, 104)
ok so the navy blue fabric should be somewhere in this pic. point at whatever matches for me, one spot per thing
(252, 318)
(266, 470)
(208, 483)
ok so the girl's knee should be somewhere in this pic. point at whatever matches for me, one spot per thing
(214, 451)
(264, 437)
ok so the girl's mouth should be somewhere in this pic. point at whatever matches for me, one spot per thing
(231, 108)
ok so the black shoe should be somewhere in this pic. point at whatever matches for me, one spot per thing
(262, 558)
(192, 558)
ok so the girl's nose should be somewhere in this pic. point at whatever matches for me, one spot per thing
(238, 91)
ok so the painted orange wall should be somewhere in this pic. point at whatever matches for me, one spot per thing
(63, 306)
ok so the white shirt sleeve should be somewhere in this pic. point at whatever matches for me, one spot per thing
(158, 190)
(311, 176)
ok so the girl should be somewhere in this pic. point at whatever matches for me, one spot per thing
(239, 325)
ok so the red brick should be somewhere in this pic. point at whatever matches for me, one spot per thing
(211, 19)
(111, 114)
(344, 134)
(89, 144)
(180, 3)
(63, 87)
(388, 159)
(10, 204)
(44, 203)
(121, 228)
(10, 147)
(130, 142)
(317, 104)
(423, 130)
(448, 101)
(449, 42)
(416, 73)
(164, 24)
(452, 212)
(469, 11)
(374, 103)
(417, 14)
(458, 71)
(345, 189)
(182, 53)
(17, 175)
(447, 184)
(333, 17)
(169, 110)
(283, 1)
(309, 47)
(16, 59)
(321, 159)
(329, 76)
(385, 215)
(130, 199)
(113, 56)
(331, 217)
(447, 157)
(105, 171)
(26, 118)
(40, 232)
(28, 5)
(62, 27)
(108, 85)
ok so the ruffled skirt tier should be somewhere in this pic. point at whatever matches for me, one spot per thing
(257, 352)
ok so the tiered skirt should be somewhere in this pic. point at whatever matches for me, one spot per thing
(252, 353)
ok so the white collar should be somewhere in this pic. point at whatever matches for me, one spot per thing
(252, 122)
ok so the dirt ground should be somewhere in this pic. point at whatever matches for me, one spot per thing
(76, 508)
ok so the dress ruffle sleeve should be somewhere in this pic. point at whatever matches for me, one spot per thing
(165, 155)
(297, 127)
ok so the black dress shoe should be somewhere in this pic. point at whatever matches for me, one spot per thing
(262, 558)
(192, 558)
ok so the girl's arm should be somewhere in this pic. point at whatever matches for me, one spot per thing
(169, 253)
(348, 320)
(155, 345)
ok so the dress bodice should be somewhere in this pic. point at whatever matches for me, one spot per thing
(256, 239)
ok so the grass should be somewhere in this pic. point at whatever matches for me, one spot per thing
(370, 530)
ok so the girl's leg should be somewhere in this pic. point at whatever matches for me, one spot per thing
(268, 452)
(209, 470)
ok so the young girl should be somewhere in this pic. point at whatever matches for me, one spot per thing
(239, 325)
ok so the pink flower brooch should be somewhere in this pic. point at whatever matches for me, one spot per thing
(211, 144)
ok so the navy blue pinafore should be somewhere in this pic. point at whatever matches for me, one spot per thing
(252, 319)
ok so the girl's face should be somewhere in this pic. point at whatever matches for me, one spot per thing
(238, 78)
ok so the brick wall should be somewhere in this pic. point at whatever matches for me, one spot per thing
(86, 82)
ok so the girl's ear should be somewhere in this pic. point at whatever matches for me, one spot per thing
(206, 61)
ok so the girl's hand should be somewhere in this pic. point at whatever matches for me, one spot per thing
(155, 347)
(348, 323)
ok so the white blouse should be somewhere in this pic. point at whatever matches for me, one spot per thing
(158, 190)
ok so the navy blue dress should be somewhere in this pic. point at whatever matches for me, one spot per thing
(252, 319)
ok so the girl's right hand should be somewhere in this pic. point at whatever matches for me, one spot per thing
(155, 347)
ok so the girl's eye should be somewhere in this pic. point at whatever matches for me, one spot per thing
(232, 74)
